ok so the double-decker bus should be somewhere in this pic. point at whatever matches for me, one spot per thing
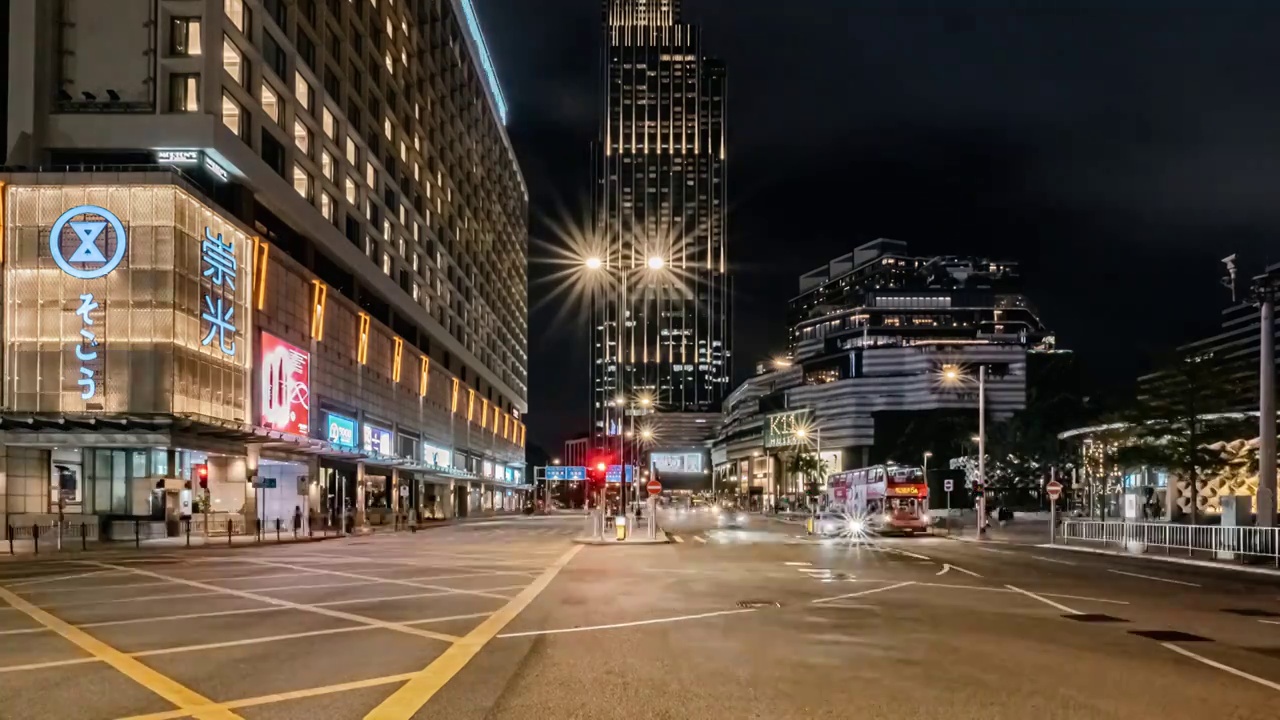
(892, 498)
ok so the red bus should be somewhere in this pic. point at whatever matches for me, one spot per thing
(892, 498)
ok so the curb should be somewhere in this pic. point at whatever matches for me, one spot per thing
(1163, 558)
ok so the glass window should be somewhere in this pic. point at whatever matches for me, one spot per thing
(160, 462)
(351, 190)
(326, 164)
(302, 136)
(302, 90)
(233, 115)
(271, 102)
(237, 12)
(370, 176)
(326, 206)
(232, 60)
(351, 151)
(386, 128)
(184, 93)
(184, 36)
(386, 263)
(404, 152)
(301, 181)
(329, 124)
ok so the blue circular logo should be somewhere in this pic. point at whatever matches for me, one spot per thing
(89, 229)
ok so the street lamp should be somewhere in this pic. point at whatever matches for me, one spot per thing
(802, 435)
(951, 375)
(656, 263)
(593, 263)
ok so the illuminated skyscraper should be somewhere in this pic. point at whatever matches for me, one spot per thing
(663, 320)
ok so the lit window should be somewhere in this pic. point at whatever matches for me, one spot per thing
(302, 90)
(351, 151)
(386, 128)
(184, 37)
(237, 13)
(417, 292)
(417, 142)
(391, 65)
(301, 181)
(369, 175)
(386, 230)
(417, 111)
(351, 190)
(391, 29)
(417, 173)
(271, 103)
(233, 115)
(400, 246)
(404, 152)
(326, 164)
(184, 93)
(232, 60)
(326, 206)
(415, 262)
(386, 263)
(417, 232)
(302, 136)
(329, 124)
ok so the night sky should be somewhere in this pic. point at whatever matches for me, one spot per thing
(1116, 154)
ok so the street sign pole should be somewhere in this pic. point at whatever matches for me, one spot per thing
(948, 485)
(1053, 489)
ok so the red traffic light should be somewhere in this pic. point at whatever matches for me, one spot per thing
(201, 472)
(601, 467)
(598, 467)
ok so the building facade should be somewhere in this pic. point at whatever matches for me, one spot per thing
(251, 242)
(663, 318)
(872, 334)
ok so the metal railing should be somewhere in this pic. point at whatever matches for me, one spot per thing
(1236, 544)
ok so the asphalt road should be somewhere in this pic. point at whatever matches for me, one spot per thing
(511, 620)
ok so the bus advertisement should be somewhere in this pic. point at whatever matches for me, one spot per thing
(892, 498)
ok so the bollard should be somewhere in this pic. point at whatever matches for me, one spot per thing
(277, 529)
(84, 536)
(228, 532)
(35, 537)
(137, 534)
(8, 531)
(188, 532)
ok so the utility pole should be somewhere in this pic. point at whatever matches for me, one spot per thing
(1265, 289)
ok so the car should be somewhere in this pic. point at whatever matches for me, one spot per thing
(829, 524)
(731, 518)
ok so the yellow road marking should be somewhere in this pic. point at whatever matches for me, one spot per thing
(286, 696)
(297, 606)
(410, 698)
(183, 697)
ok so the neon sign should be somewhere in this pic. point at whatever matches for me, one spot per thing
(85, 351)
(342, 430)
(88, 232)
(220, 256)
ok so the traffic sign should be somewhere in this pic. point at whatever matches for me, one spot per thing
(948, 485)
(1053, 489)
(265, 483)
(654, 487)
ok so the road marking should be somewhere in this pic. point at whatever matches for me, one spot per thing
(286, 696)
(677, 538)
(1052, 560)
(946, 567)
(1005, 590)
(1270, 622)
(1220, 666)
(612, 626)
(300, 606)
(993, 550)
(59, 578)
(864, 592)
(1153, 577)
(392, 581)
(908, 553)
(699, 538)
(1045, 600)
(171, 690)
(797, 563)
(405, 702)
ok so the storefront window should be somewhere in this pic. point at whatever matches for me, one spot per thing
(119, 482)
(160, 462)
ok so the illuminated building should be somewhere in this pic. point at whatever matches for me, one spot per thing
(660, 203)
(357, 154)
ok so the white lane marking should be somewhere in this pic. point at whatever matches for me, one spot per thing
(392, 581)
(948, 566)
(1086, 598)
(125, 586)
(1045, 600)
(1052, 560)
(1005, 590)
(627, 624)
(1225, 668)
(699, 538)
(797, 563)
(1153, 577)
(677, 538)
(60, 578)
(50, 664)
(909, 554)
(863, 592)
(1270, 622)
(993, 550)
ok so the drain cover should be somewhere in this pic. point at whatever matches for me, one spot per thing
(1095, 618)
(754, 604)
(1168, 636)
(1251, 612)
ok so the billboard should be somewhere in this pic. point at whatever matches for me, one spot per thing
(284, 373)
(437, 456)
(340, 430)
(780, 428)
(378, 441)
(671, 462)
(124, 299)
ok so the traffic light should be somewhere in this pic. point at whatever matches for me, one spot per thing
(598, 468)
(201, 473)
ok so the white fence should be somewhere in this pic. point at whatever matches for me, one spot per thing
(1241, 544)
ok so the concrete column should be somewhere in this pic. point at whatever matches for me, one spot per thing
(4, 482)
(360, 519)
(250, 510)
(1267, 416)
(394, 489)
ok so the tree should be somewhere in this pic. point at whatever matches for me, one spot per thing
(1179, 413)
(811, 466)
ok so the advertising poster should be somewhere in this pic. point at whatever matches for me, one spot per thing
(285, 373)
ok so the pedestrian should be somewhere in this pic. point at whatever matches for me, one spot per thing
(297, 518)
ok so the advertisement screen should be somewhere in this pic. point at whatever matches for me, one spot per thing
(285, 374)
(341, 430)
(676, 462)
(437, 456)
(378, 441)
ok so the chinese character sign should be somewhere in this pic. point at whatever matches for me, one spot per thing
(285, 376)
(218, 261)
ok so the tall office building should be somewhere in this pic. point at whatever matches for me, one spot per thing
(662, 319)
(299, 231)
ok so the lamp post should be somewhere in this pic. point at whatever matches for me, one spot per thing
(1264, 292)
(952, 375)
(802, 434)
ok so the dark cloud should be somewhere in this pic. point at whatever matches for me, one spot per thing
(1117, 153)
